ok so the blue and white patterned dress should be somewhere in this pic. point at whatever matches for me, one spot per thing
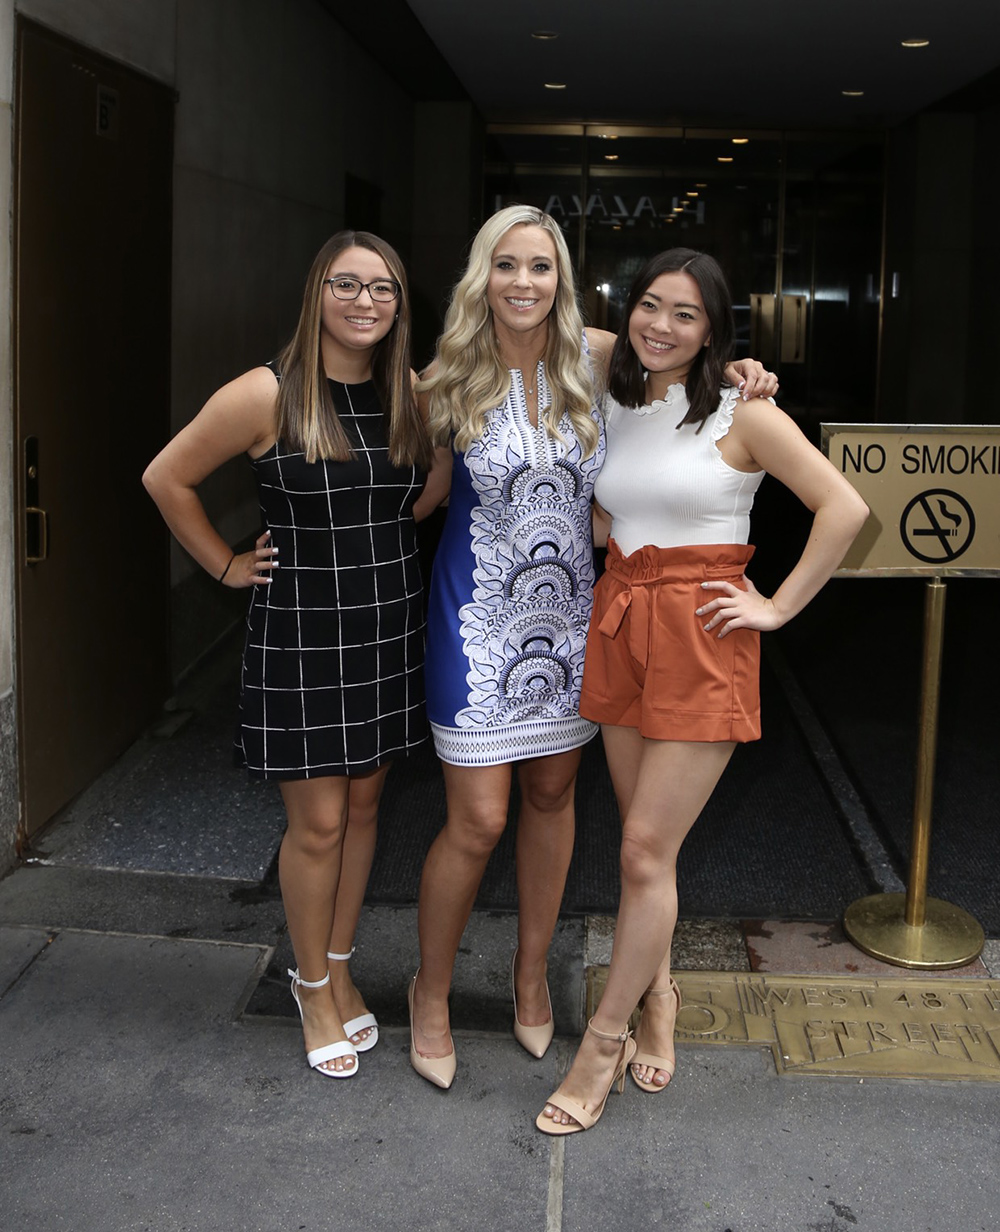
(511, 592)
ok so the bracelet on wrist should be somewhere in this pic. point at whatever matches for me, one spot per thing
(222, 575)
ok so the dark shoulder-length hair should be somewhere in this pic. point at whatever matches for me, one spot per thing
(306, 416)
(627, 376)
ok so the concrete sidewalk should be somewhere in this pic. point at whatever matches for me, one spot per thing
(153, 1076)
(136, 1095)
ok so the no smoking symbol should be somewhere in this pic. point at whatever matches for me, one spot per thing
(937, 526)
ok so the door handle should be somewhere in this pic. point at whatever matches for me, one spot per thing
(762, 308)
(36, 519)
(36, 535)
(793, 329)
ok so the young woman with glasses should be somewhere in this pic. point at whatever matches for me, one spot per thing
(332, 683)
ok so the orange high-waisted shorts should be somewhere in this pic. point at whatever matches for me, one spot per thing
(651, 665)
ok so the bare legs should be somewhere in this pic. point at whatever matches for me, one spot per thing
(662, 786)
(477, 813)
(546, 829)
(323, 868)
(355, 868)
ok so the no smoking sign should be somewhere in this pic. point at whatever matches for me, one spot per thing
(934, 495)
(937, 526)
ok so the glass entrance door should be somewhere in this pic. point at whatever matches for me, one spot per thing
(795, 220)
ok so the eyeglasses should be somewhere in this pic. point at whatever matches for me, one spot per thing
(381, 290)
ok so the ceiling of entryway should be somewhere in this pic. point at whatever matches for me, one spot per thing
(772, 62)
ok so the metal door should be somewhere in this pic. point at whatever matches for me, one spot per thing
(92, 223)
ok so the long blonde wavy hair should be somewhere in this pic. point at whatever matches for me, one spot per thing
(469, 377)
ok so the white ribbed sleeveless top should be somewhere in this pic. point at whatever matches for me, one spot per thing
(667, 485)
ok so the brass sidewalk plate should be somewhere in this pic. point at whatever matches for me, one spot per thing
(894, 1027)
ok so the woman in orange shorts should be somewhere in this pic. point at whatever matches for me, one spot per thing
(671, 670)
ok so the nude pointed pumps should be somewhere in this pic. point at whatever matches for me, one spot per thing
(439, 1070)
(535, 1040)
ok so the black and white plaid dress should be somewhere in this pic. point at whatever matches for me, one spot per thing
(332, 679)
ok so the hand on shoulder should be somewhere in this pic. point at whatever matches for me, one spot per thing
(751, 378)
(601, 343)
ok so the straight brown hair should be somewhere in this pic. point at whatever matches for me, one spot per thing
(306, 416)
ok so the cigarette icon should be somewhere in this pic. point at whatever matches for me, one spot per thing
(954, 518)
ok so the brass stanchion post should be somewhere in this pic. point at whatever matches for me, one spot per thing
(913, 930)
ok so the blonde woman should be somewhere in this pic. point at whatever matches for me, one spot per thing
(511, 405)
(331, 688)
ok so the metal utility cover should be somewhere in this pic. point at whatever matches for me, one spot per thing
(895, 1027)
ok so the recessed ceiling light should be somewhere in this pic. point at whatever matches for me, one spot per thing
(701, 185)
(741, 140)
(723, 158)
(691, 194)
(853, 93)
(916, 42)
(611, 158)
(678, 208)
(544, 34)
(555, 85)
